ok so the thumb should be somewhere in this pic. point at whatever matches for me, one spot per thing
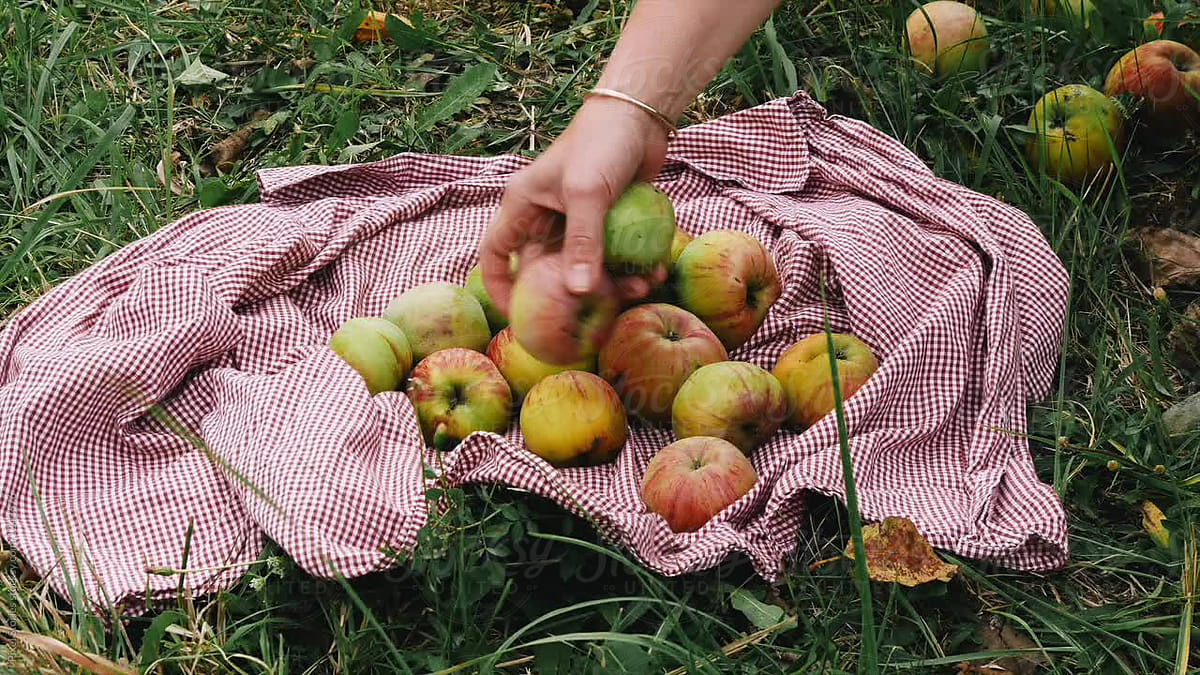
(583, 245)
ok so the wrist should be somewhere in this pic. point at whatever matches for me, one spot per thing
(627, 115)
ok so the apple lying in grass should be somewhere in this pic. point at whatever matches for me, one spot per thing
(652, 350)
(734, 400)
(495, 318)
(1079, 12)
(947, 38)
(439, 315)
(728, 279)
(638, 230)
(377, 349)
(521, 369)
(457, 392)
(1165, 74)
(553, 324)
(807, 378)
(573, 418)
(693, 479)
(1076, 131)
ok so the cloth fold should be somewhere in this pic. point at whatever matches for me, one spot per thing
(180, 391)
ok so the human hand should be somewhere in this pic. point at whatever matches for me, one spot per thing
(608, 145)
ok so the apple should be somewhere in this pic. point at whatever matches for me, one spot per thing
(1186, 31)
(665, 292)
(1167, 75)
(377, 349)
(693, 479)
(438, 316)
(652, 350)
(1078, 12)
(495, 318)
(678, 243)
(638, 230)
(947, 37)
(728, 279)
(734, 400)
(1152, 27)
(1076, 129)
(553, 324)
(807, 379)
(573, 418)
(457, 392)
(520, 369)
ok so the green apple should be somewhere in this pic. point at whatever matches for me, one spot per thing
(377, 349)
(456, 392)
(947, 37)
(638, 230)
(734, 400)
(438, 316)
(495, 318)
(1076, 129)
(728, 279)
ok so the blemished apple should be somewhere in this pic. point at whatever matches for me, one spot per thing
(1165, 74)
(553, 324)
(456, 392)
(521, 369)
(693, 479)
(495, 318)
(574, 418)
(734, 400)
(1076, 129)
(807, 378)
(728, 279)
(638, 230)
(377, 349)
(439, 315)
(652, 350)
(947, 38)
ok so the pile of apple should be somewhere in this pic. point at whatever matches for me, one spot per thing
(579, 367)
(1076, 131)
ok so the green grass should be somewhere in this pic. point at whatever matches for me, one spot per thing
(91, 102)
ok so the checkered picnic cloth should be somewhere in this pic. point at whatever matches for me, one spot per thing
(222, 320)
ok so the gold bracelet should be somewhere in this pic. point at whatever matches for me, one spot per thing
(662, 119)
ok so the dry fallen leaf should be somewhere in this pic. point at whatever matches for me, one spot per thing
(373, 27)
(896, 551)
(1000, 636)
(989, 669)
(1173, 255)
(223, 154)
(89, 663)
(1152, 523)
(179, 186)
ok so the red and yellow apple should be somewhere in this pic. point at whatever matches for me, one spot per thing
(807, 377)
(521, 369)
(734, 400)
(456, 392)
(1164, 73)
(652, 350)
(693, 479)
(678, 243)
(495, 318)
(947, 37)
(573, 418)
(553, 324)
(377, 349)
(638, 230)
(728, 279)
(439, 315)
(1076, 129)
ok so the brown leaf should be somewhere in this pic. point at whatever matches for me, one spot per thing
(1152, 523)
(179, 186)
(223, 154)
(373, 27)
(896, 551)
(1000, 636)
(90, 663)
(989, 669)
(1174, 256)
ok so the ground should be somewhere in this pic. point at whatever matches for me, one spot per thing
(94, 96)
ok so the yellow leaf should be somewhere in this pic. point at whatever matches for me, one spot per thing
(373, 27)
(1152, 522)
(897, 552)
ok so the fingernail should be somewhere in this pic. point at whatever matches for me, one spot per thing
(577, 278)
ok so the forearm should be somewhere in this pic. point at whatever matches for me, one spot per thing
(670, 50)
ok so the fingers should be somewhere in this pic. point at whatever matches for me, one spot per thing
(632, 288)
(515, 223)
(583, 244)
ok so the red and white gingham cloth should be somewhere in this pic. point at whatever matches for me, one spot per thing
(223, 317)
